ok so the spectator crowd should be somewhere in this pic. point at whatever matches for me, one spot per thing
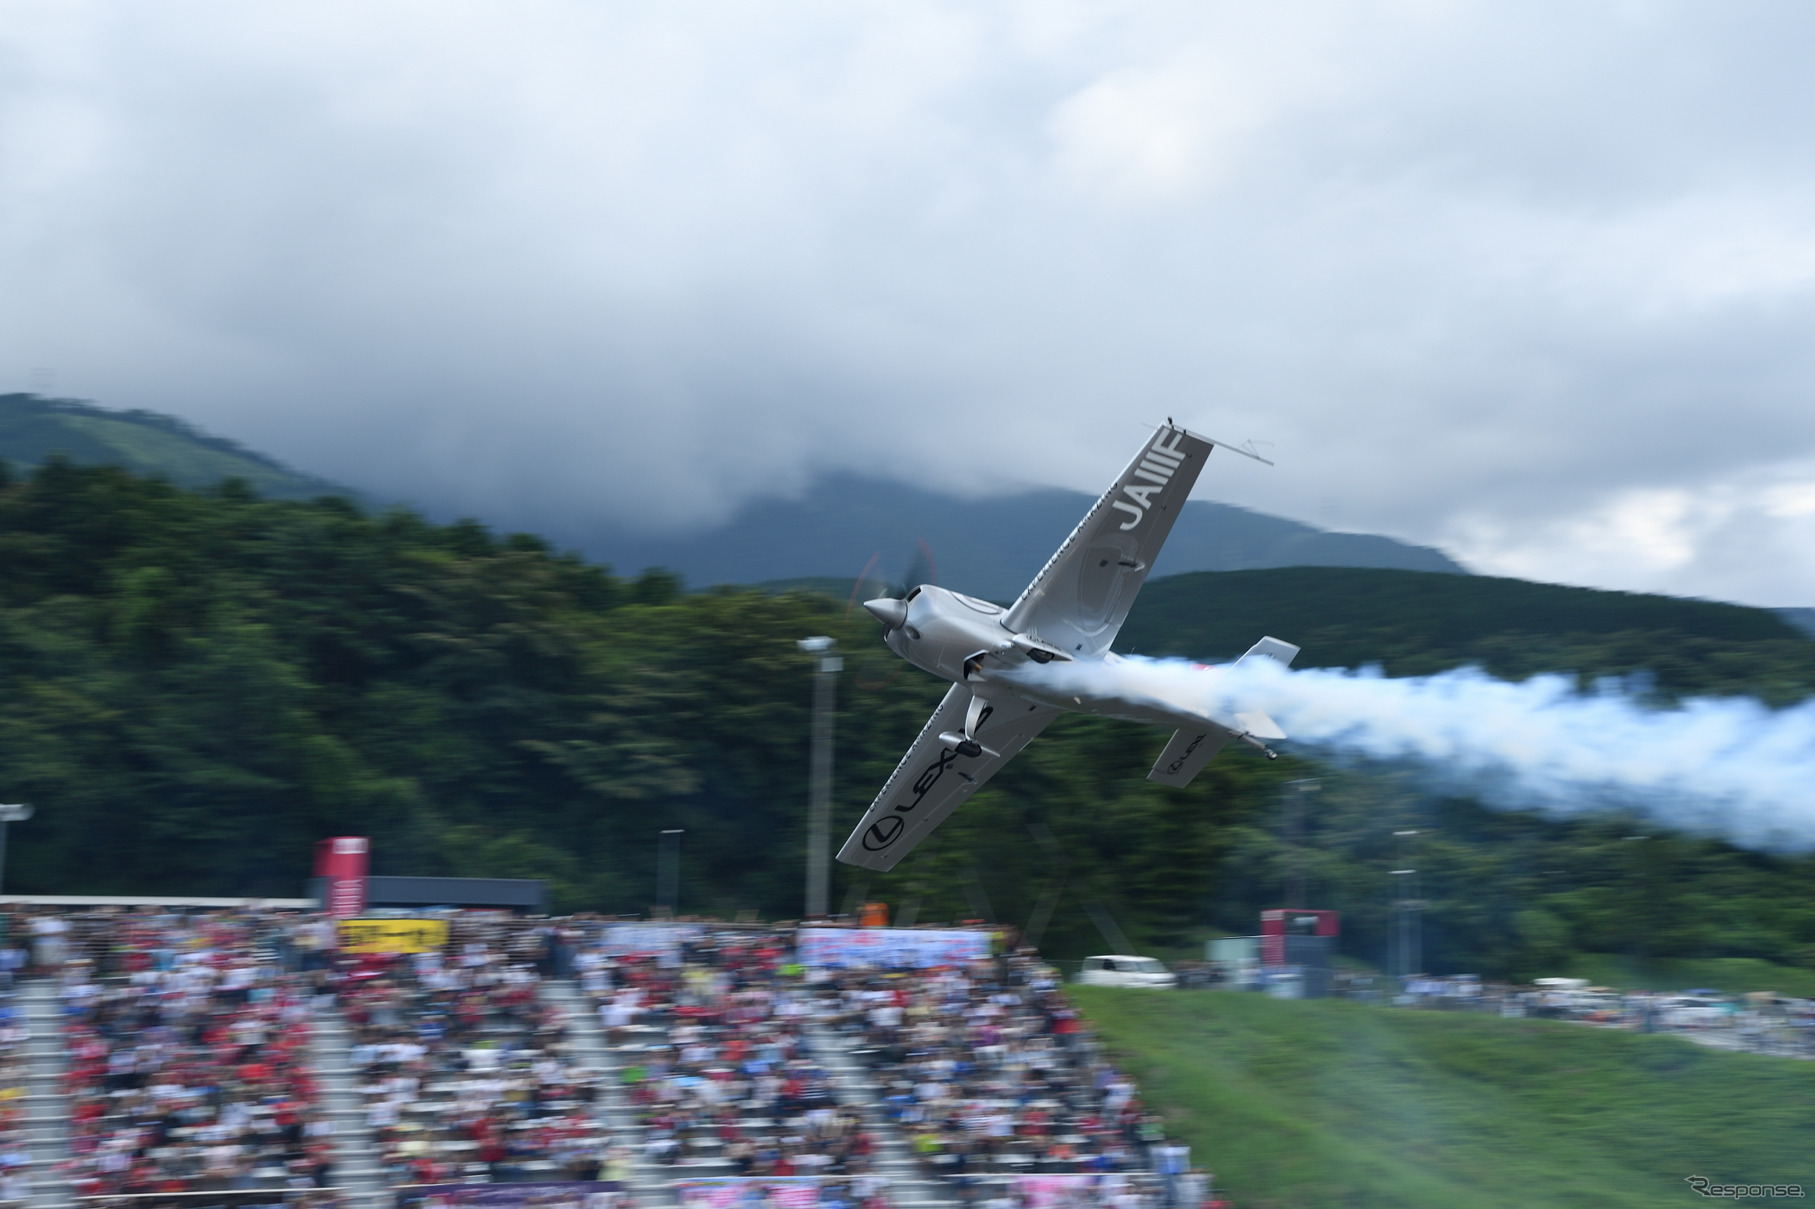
(15, 1085)
(465, 1068)
(988, 1071)
(727, 1067)
(188, 1068)
(718, 1066)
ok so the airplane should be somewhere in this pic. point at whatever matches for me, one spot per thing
(1014, 670)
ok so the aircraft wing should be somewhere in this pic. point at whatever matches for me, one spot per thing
(932, 780)
(1080, 598)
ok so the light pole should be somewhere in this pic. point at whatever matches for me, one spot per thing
(668, 871)
(9, 814)
(819, 792)
(1406, 960)
(1295, 886)
(1410, 943)
(1411, 948)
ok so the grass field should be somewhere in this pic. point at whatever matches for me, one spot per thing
(1334, 1103)
(1730, 974)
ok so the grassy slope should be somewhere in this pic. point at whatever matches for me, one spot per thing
(1731, 974)
(1333, 1103)
(186, 463)
(33, 429)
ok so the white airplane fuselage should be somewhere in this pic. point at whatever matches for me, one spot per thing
(962, 639)
(940, 630)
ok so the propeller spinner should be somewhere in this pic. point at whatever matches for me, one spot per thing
(891, 611)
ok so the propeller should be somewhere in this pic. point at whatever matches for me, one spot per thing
(921, 569)
(887, 601)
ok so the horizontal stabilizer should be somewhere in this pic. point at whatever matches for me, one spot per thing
(1190, 749)
(1259, 726)
(1282, 653)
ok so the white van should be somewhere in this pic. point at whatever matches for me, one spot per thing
(1122, 971)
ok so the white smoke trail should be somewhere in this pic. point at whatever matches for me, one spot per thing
(1716, 766)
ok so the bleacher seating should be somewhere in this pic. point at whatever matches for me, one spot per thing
(15, 1149)
(464, 1067)
(189, 1066)
(985, 1069)
(716, 1065)
(186, 1063)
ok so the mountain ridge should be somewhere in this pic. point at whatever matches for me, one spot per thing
(988, 547)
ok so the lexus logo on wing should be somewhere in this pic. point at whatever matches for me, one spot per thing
(883, 832)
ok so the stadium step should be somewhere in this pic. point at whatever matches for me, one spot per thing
(357, 1167)
(659, 1183)
(894, 1160)
(590, 1052)
(47, 1107)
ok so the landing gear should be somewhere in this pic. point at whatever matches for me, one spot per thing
(965, 742)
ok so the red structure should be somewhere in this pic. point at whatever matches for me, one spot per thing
(1278, 924)
(342, 861)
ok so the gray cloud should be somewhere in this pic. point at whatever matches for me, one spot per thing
(1530, 282)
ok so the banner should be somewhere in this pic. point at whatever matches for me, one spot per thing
(889, 948)
(649, 940)
(341, 861)
(1066, 1191)
(392, 935)
(808, 1192)
(730, 1192)
(511, 1196)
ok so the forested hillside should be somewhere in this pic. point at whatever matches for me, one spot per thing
(1413, 623)
(194, 687)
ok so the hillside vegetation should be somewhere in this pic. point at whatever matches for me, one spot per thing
(1414, 623)
(194, 687)
(1315, 1104)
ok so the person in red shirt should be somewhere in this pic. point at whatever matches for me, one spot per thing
(492, 1151)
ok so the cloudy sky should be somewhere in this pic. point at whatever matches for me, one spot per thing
(1532, 282)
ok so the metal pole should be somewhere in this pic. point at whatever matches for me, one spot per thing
(1417, 906)
(1295, 886)
(1405, 935)
(1411, 957)
(819, 804)
(1404, 904)
(1392, 936)
(668, 871)
(9, 814)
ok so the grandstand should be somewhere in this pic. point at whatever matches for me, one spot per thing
(167, 1054)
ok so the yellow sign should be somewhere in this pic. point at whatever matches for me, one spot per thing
(392, 935)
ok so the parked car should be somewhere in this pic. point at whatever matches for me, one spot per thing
(1124, 971)
(1696, 1011)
